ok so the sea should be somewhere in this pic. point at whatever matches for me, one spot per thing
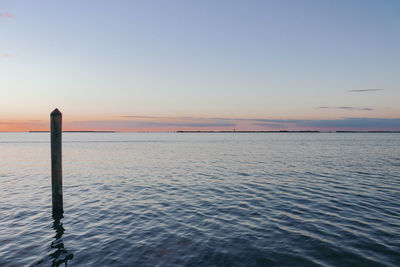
(202, 199)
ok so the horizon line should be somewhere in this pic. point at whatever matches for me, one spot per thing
(216, 131)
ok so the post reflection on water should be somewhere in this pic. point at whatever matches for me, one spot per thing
(60, 256)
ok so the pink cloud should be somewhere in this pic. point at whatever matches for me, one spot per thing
(7, 15)
(5, 55)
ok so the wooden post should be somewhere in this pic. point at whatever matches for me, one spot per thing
(56, 163)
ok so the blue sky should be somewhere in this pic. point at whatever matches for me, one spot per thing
(100, 61)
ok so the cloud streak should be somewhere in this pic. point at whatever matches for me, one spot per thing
(110, 124)
(363, 90)
(270, 125)
(7, 15)
(272, 120)
(346, 108)
(355, 123)
(358, 124)
(5, 55)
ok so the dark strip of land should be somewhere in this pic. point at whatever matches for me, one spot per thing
(230, 131)
(367, 131)
(75, 131)
(247, 131)
(287, 132)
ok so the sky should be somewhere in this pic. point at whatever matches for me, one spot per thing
(200, 65)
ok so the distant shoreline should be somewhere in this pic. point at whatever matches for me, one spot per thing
(288, 132)
(282, 131)
(248, 131)
(76, 131)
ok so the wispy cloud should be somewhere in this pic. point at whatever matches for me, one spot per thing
(7, 15)
(141, 117)
(271, 120)
(109, 124)
(363, 90)
(5, 55)
(135, 122)
(346, 108)
(355, 123)
(359, 124)
(270, 125)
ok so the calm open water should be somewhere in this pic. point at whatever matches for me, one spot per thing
(168, 199)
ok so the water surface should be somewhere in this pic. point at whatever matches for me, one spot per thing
(168, 199)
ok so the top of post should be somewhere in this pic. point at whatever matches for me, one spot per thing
(56, 112)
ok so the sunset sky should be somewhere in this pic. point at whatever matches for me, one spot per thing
(200, 65)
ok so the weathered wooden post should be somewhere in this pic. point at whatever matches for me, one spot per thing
(56, 163)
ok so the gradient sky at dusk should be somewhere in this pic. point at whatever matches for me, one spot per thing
(200, 65)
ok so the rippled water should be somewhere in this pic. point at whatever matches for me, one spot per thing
(148, 199)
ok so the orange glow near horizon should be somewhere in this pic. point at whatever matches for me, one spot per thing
(172, 124)
(22, 126)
